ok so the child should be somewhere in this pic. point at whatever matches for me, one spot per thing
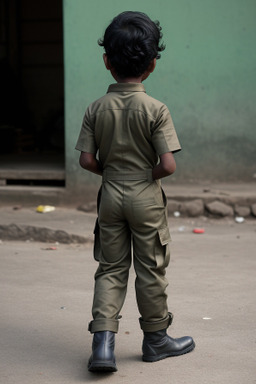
(135, 139)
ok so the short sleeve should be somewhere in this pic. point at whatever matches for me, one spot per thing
(164, 136)
(86, 140)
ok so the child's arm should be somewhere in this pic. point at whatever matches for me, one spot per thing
(89, 162)
(166, 167)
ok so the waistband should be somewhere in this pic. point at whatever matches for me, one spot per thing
(127, 175)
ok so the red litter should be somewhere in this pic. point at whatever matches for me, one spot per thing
(198, 230)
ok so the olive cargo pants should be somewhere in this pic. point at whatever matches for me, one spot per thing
(132, 220)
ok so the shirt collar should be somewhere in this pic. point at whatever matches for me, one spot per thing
(126, 87)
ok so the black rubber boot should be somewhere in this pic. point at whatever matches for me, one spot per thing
(103, 358)
(158, 345)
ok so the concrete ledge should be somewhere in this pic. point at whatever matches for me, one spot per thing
(229, 193)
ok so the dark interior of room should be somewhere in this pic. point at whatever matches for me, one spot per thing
(31, 93)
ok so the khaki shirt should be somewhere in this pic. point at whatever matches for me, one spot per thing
(129, 129)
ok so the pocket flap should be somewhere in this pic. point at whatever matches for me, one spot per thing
(164, 235)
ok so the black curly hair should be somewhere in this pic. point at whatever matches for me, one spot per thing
(131, 42)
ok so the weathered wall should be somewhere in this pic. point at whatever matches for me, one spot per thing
(206, 76)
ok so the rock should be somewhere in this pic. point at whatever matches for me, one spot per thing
(194, 208)
(90, 207)
(242, 211)
(174, 206)
(220, 209)
(253, 208)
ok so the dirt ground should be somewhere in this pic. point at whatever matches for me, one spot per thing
(46, 294)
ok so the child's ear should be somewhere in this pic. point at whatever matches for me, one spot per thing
(150, 69)
(152, 66)
(106, 61)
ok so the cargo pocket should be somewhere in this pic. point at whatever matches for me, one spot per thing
(162, 252)
(164, 235)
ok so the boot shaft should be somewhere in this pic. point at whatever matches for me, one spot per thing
(103, 358)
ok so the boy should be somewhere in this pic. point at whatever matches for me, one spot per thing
(134, 137)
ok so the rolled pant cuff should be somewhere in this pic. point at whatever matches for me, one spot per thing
(155, 326)
(100, 325)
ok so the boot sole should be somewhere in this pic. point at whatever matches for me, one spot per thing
(101, 366)
(152, 359)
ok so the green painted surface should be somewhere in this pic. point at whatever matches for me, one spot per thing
(206, 76)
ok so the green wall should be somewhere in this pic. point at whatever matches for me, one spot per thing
(206, 76)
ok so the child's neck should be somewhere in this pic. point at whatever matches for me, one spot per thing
(128, 79)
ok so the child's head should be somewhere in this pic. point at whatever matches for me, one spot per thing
(131, 42)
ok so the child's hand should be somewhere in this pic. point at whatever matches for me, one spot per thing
(166, 167)
(89, 162)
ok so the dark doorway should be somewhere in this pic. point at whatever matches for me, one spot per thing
(31, 93)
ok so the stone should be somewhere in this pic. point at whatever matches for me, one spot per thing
(174, 206)
(220, 209)
(242, 211)
(90, 207)
(194, 208)
(253, 208)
